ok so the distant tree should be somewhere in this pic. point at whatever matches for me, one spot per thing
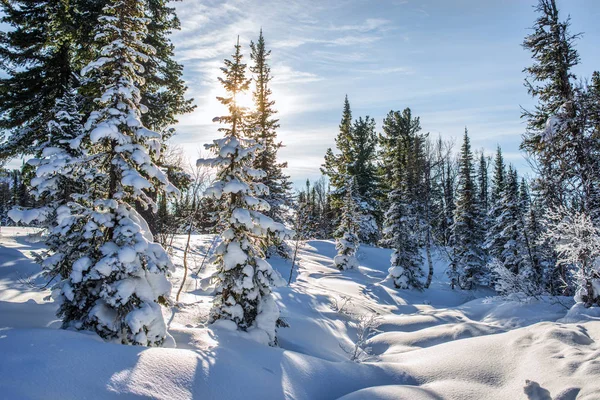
(405, 212)
(468, 257)
(335, 166)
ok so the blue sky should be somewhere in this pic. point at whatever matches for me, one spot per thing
(454, 63)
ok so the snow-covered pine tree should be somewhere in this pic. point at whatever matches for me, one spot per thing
(401, 230)
(493, 238)
(36, 56)
(57, 175)
(114, 276)
(335, 166)
(364, 172)
(467, 256)
(553, 133)
(347, 240)
(261, 125)
(532, 268)
(510, 225)
(244, 278)
(55, 170)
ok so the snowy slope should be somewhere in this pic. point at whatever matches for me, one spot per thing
(435, 344)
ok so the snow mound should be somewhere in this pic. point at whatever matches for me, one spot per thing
(432, 344)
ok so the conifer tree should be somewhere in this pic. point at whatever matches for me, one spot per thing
(400, 228)
(468, 258)
(113, 275)
(244, 278)
(514, 251)
(364, 172)
(347, 240)
(262, 127)
(553, 133)
(335, 166)
(493, 240)
(357, 151)
(405, 172)
(36, 55)
(164, 89)
(482, 185)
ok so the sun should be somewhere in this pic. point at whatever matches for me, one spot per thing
(245, 100)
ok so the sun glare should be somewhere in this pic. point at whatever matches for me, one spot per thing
(245, 100)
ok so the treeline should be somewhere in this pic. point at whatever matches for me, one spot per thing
(407, 191)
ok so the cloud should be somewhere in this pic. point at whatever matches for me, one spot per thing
(370, 24)
(284, 74)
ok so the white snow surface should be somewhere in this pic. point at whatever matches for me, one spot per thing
(435, 344)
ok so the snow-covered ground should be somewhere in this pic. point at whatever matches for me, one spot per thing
(436, 344)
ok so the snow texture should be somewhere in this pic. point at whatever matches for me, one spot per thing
(429, 345)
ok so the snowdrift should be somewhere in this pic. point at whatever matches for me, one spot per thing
(436, 344)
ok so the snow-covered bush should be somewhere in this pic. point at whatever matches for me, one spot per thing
(577, 243)
(509, 283)
(366, 325)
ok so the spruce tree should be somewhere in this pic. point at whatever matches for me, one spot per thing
(401, 230)
(403, 167)
(244, 278)
(482, 185)
(262, 127)
(335, 166)
(468, 259)
(493, 240)
(553, 133)
(510, 221)
(364, 172)
(36, 55)
(113, 275)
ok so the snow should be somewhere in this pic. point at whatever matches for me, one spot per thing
(431, 344)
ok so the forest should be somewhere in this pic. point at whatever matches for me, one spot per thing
(90, 96)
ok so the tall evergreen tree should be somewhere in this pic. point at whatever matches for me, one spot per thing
(244, 278)
(262, 127)
(356, 144)
(51, 41)
(552, 128)
(401, 230)
(36, 55)
(468, 258)
(335, 166)
(364, 173)
(113, 275)
(482, 184)
(493, 241)
(403, 169)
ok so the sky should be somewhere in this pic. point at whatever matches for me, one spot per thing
(454, 63)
